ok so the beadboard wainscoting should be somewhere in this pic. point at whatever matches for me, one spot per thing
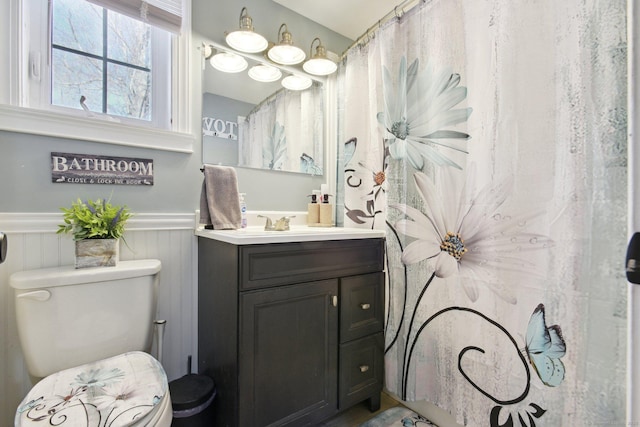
(32, 244)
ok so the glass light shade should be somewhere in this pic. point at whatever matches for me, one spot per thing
(320, 66)
(228, 62)
(286, 54)
(247, 41)
(264, 73)
(294, 82)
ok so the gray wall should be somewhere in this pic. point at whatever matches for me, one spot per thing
(212, 19)
(25, 176)
(25, 180)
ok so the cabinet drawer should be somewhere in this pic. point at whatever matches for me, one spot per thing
(361, 305)
(287, 263)
(361, 369)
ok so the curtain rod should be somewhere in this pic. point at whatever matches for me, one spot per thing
(396, 12)
(268, 99)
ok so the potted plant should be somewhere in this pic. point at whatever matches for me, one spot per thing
(96, 226)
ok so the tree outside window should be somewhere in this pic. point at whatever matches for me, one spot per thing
(102, 58)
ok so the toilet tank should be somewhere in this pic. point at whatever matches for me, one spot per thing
(67, 316)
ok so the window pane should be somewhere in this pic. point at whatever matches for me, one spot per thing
(129, 92)
(112, 70)
(128, 40)
(74, 76)
(77, 25)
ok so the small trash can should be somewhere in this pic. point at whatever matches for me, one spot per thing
(191, 397)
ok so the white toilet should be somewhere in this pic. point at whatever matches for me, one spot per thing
(84, 332)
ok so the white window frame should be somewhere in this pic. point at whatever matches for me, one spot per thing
(16, 117)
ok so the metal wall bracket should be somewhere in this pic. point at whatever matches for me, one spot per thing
(632, 263)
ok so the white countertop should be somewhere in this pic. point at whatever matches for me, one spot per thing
(298, 233)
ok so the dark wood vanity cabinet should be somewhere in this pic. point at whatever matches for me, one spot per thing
(291, 333)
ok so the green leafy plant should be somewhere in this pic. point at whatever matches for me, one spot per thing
(97, 219)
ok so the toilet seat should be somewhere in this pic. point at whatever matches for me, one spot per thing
(126, 390)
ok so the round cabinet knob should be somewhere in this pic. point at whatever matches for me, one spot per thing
(365, 306)
(364, 368)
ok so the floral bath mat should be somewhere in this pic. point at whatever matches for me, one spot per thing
(398, 416)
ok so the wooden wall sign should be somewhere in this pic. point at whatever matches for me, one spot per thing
(67, 168)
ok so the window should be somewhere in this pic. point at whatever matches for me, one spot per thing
(102, 62)
(92, 64)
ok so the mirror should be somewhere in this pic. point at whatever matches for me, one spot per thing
(253, 124)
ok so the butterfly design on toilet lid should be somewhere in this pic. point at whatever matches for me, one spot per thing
(114, 392)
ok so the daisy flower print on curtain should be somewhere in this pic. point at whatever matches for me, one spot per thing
(418, 109)
(464, 233)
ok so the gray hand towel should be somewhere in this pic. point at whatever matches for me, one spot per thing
(219, 201)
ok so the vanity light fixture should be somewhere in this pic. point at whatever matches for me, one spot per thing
(228, 62)
(319, 64)
(295, 82)
(285, 52)
(245, 39)
(264, 73)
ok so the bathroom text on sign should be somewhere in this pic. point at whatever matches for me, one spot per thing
(67, 168)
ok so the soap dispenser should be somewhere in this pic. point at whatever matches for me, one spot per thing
(313, 209)
(326, 211)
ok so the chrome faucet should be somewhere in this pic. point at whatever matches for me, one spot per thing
(281, 225)
(268, 226)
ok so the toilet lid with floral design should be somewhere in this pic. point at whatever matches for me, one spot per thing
(114, 392)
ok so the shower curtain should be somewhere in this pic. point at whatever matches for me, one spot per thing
(284, 132)
(488, 138)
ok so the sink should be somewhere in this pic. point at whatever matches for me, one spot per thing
(298, 233)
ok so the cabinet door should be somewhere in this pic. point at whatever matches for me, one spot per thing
(288, 354)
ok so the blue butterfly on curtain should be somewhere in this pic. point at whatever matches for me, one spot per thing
(308, 165)
(545, 347)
